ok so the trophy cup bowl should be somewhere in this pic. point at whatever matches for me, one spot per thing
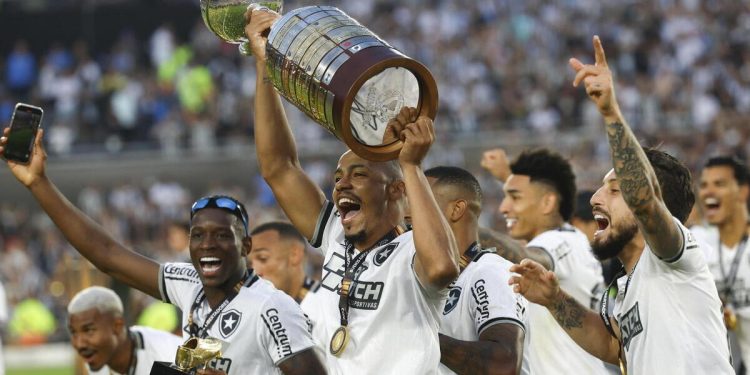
(336, 71)
(193, 354)
(226, 18)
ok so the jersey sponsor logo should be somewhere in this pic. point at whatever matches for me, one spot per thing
(365, 295)
(333, 273)
(278, 332)
(630, 325)
(179, 270)
(221, 364)
(382, 255)
(229, 321)
(479, 292)
(454, 295)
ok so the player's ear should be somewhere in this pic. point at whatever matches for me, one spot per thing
(458, 210)
(247, 245)
(549, 203)
(396, 190)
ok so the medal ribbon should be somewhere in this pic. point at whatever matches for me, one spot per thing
(350, 272)
(730, 278)
(211, 319)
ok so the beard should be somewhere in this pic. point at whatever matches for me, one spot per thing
(612, 246)
(356, 238)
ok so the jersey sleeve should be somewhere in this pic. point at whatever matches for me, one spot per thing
(492, 300)
(176, 283)
(323, 229)
(284, 328)
(691, 258)
(557, 249)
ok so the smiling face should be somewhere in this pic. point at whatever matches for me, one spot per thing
(616, 223)
(522, 207)
(364, 196)
(720, 195)
(95, 336)
(216, 247)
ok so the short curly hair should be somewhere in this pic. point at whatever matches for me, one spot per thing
(549, 168)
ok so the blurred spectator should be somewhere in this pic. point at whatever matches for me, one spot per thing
(20, 71)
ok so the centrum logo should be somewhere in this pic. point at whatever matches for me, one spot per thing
(277, 330)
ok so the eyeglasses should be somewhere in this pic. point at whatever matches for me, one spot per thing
(224, 203)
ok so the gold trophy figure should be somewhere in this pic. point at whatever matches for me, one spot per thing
(226, 18)
(194, 354)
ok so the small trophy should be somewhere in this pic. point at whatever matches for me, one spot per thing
(195, 353)
(338, 72)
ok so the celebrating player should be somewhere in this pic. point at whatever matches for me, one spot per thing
(99, 335)
(264, 330)
(382, 289)
(483, 329)
(667, 313)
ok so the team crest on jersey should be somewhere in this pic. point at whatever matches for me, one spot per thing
(382, 255)
(454, 295)
(229, 321)
(630, 325)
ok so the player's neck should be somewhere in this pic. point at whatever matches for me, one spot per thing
(296, 281)
(374, 238)
(734, 229)
(632, 252)
(546, 224)
(123, 355)
(466, 234)
(216, 295)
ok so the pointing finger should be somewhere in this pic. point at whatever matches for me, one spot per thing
(575, 64)
(586, 71)
(601, 59)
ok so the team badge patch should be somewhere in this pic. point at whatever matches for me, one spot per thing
(229, 321)
(383, 254)
(454, 294)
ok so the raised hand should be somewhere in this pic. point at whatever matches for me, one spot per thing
(597, 79)
(417, 136)
(397, 124)
(258, 21)
(496, 162)
(535, 283)
(27, 174)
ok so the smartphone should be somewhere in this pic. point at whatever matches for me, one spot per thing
(23, 127)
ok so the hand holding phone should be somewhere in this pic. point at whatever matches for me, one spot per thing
(23, 128)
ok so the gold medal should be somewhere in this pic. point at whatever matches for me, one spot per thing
(730, 318)
(338, 341)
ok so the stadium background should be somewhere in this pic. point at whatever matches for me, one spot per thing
(146, 110)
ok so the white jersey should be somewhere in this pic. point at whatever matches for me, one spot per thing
(393, 320)
(552, 351)
(260, 327)
(150, 346)
(481, 298)
(311, 305)
(669, 315)
(739, 299)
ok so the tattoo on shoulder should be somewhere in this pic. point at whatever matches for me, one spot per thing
(630, 165)
(569, 313)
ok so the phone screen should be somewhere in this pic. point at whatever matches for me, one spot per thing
(26, 121)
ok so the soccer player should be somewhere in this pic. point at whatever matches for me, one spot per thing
(278, 255)
(263, 328)
(483, 328)
(382, 289)
(723, 194)
(667, 313)
(539, 199)
(108, 346)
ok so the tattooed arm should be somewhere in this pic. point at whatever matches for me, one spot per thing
(498, 351)
(635, 175)
(584, 326)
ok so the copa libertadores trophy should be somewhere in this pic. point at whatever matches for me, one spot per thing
(194, 354)
(339, 73)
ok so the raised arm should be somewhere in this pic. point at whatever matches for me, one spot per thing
(637, 179)
(86, 236)
(584, 326)
(436, 263)
(297, 194)
(498, 351)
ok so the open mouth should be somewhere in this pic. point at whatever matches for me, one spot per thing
(602, 223)
(349, 209)
(509, 223)
(87, 355)
(210, 265)
(712, 205)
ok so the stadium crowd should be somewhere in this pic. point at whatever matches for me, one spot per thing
(682, 83)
